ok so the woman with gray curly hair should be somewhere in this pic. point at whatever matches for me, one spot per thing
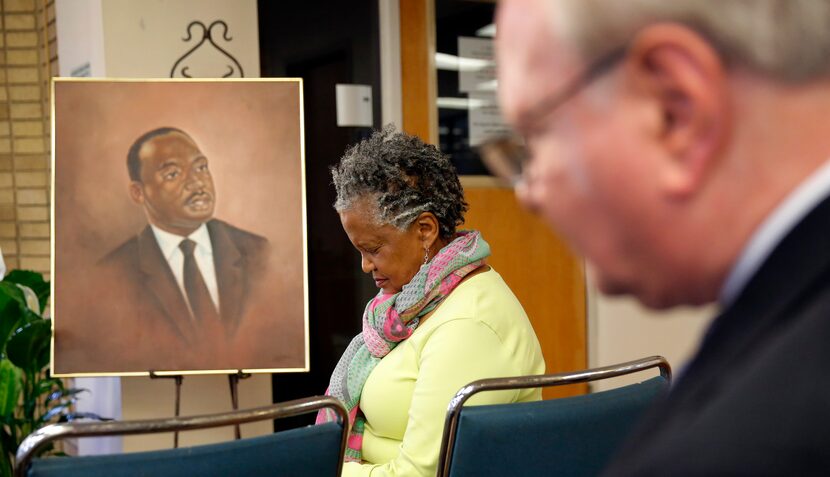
(441, 319)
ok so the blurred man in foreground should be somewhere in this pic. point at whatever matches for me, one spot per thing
(682, 147)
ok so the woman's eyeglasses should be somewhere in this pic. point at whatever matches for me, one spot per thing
(505, 156)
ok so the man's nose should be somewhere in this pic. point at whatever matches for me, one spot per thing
(194, 181)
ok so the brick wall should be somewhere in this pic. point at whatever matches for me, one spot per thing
(28, 58)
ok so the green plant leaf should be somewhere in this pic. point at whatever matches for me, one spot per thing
(28, 348)
(7, 441)
(29, 395)
(48, 385)
(13, 291)
(5, 465)
(10, 387)
(33, 280)
(28, 316)
(11, 311)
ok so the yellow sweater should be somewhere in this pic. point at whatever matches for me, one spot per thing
(480, 331)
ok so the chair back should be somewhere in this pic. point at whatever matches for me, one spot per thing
(306, 451)
(574, 436)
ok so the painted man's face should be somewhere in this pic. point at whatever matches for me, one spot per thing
(176, 187)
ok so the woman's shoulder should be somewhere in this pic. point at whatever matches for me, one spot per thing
(484, 298)
(484, 290)
(482, 312)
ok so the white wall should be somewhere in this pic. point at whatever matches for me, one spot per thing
(144, 38)
(145, 398)
(620, 330)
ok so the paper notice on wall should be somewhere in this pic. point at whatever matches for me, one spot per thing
(476, 64)
(83, 71)
(485, 118)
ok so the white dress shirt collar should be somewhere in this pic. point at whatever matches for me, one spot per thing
(169, 243)
(773, 229)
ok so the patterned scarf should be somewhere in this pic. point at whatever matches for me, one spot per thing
(390, 319)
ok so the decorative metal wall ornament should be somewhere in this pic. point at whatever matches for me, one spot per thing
(234, 69)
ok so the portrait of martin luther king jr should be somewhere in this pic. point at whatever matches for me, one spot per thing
(185, 269)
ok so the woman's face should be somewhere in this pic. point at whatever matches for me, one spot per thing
(391, 255)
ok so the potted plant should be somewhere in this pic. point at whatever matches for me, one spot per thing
(29, 396)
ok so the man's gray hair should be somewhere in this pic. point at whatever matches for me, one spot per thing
(785, 39)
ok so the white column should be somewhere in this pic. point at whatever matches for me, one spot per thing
(390, 63)
(80, 31)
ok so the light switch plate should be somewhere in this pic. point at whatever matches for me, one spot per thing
(354, 105)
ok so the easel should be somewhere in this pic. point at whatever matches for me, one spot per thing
(233, 382)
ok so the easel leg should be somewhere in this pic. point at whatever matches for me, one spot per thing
(233, 380)
(179, 380)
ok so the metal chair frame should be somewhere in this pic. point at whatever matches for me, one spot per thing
(43, 436)
(537, 381)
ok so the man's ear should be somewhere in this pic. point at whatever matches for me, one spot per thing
(136, 192)
(428, 228)
(686, 79)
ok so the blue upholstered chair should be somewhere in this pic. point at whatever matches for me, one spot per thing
(306, 451)
(572, 436)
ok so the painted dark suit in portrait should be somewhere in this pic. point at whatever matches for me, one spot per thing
(239, 258)
(187, 278)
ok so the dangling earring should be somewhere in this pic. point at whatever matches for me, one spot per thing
(426, 255)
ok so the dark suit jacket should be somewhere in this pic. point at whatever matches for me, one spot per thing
(756, 398)
(151, 289)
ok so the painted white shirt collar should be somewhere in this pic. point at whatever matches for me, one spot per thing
(773, 229)
(169, 243)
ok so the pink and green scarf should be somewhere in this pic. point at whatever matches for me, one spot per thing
(391, 318)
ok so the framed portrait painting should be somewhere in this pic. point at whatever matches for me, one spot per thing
(179, 227)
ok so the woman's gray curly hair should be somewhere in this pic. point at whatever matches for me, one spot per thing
(404, 177)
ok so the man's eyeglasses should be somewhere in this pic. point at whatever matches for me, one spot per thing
(505, 156)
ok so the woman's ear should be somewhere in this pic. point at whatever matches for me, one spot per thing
(428, 228)
(684, 76)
